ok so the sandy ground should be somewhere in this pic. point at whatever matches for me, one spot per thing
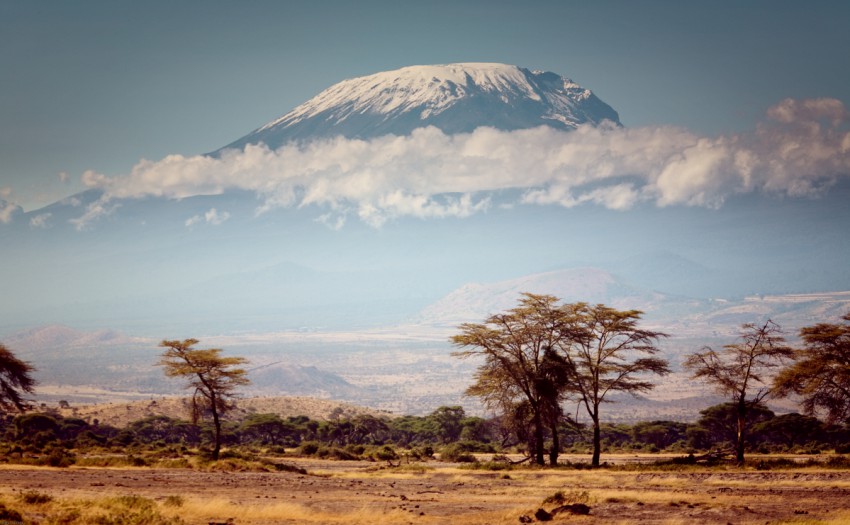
(446, 494)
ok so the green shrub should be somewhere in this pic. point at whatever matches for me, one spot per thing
(357, 450)
(309, 448)
(385, 453)
(335, 453)
(489, 465)
(137, 461)
(456, 454)
(282, 467)
(58, 457)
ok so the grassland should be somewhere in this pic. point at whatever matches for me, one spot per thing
(423, 493)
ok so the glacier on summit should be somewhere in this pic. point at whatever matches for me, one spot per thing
(455, 98)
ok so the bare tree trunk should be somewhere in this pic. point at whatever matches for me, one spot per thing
(538, 438)
(556, 445)
(217, 423)
(742, 422)
(597, 441)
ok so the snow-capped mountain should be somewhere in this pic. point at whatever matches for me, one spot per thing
(455, 98)
(132, 256)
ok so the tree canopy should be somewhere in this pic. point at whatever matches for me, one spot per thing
(516, 376)
(15, 381)
(600, 348)
(539, 353)
(821, 373)
(212, 376)
(739, 371)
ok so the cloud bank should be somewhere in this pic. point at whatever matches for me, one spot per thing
(801, 149)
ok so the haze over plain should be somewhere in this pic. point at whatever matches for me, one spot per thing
(727, 178)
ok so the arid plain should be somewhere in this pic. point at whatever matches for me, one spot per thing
(434, 492)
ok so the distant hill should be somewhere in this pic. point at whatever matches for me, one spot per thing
(56, 336)
(121, 414)
(476, 301)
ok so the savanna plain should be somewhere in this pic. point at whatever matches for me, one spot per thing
(631, 488)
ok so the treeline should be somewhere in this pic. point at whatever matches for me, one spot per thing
(541, 355)
(533, 360)
(49, 438)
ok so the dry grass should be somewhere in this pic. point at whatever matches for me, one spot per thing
(203, 510)
(838, 518)
(361, 492)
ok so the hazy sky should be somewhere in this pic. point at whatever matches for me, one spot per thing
(101, 84)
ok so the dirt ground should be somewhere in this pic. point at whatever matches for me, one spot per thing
(353, 491)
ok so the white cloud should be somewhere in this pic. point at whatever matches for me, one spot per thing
(41, 220)
(800, 150)
(212, 216)
(7, 210)
(98, 209)
(64, 177)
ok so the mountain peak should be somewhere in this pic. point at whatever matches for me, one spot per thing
(455, 98)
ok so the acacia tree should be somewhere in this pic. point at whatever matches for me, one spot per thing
(516, 376)
(599, 344)
(821, 373)
(739, 370)
(212, 376)
(15, 381)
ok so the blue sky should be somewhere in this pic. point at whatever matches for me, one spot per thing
(101, 84)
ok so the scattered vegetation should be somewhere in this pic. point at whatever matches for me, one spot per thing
(263, 442)
(536, 355)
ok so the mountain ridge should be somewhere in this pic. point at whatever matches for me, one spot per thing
(452, 97)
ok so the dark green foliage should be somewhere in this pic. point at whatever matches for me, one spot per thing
(35, 423)
(412, 430)
(449, 422)
(385, 453)
(166, 429)
(718, 426)
(659, 434)
(361, 430)
(457, 453)
(821, 373)
(740, 372)
(790, 430)
(15, 381)
(309, 448)
(268, 429)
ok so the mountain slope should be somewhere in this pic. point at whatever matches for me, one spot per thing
(475, 302)
(454, 98)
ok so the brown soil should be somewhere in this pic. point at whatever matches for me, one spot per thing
(445, 494)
